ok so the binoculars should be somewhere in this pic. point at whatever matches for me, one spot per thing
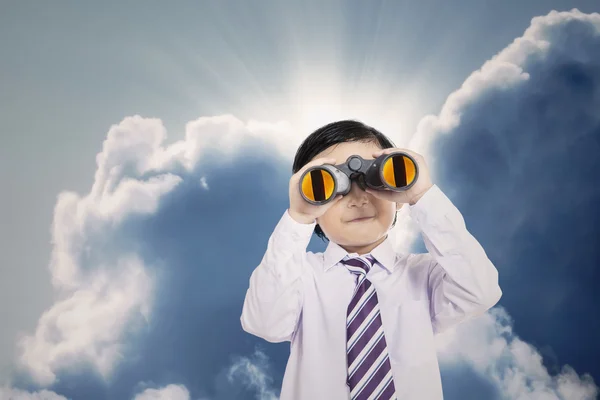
(395, 171)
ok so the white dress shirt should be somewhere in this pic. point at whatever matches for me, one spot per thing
(302, 297)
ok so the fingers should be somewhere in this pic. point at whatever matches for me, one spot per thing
(389, 195)
(382, 194)
(338, 198)
(335, 200)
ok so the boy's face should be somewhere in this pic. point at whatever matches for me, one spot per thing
(356, 236)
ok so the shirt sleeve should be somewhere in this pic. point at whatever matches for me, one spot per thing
(462, 281)
(275, 295)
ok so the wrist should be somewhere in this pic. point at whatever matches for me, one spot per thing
(300, 218)
(416, 198)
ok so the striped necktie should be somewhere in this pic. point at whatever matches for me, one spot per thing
(369, 369)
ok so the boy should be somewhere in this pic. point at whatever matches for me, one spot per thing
(360, 317)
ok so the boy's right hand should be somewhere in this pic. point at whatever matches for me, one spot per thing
(301, 210)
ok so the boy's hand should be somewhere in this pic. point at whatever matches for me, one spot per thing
(301, 210)
(412, 195)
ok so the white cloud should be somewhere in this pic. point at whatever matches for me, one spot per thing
(223, 135)
(7, 393)
(99, 293)
(490, 346)
(505, 70)
(170, 392)
(488, 343)
(96, 301)
(87, 325)
(203, 183)
(252, 373)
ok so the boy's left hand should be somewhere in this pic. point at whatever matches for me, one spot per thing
(412, 195)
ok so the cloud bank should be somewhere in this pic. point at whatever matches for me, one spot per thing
(515, 147)
(170, 392)
(7, 393)
(140, 296)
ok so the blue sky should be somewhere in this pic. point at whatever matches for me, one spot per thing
(146, 152)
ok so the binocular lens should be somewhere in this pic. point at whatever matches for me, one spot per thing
(398, 171)
(318, 185)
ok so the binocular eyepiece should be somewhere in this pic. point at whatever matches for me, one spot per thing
(395, 171)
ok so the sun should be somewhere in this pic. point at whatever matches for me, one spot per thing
(316, 99)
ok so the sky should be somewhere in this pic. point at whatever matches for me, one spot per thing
(135, 137)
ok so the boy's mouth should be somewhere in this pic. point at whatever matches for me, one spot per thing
(361, 219)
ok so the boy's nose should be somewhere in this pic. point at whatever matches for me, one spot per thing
(356, 187)
(359, 181)
(357, 195)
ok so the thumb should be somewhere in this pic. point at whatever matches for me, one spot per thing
(323, 208)
(337, 198)
(381, 194)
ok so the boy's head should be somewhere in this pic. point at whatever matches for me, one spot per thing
(339, 140)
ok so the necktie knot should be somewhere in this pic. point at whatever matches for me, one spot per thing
(359, 265)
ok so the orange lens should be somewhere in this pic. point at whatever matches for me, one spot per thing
(317, 185)
(399, 171)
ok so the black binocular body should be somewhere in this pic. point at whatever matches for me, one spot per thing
(396, 171)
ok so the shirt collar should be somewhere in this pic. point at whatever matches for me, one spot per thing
(384, 254)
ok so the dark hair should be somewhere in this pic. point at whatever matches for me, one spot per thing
(332, 134)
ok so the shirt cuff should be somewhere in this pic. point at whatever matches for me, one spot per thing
(294, 233)
(432, 201)
(439, 219)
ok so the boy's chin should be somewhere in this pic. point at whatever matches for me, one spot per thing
(363, 240)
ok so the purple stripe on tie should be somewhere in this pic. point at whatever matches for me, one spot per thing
(362, 342)
(355, 262)
(352, 340)
(362, 315)
(374, 320)
(364, 286)
(368, 362)
(375, 380)
(350, 313)
(388, 391)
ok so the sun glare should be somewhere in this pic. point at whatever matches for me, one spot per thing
(311, 109)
